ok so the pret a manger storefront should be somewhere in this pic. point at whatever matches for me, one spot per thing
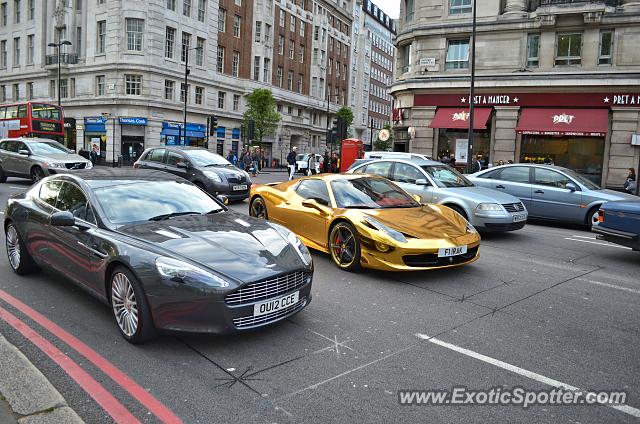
(588, 132)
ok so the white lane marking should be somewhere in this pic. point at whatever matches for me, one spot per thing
(634, 412)
(584, 237)
(601, 244)
(19, 188)
(611, 286)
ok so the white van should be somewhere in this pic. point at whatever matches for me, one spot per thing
(395, 155)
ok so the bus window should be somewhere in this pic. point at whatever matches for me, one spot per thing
(12, 112)
(43, 111)
(22, 111)
(3, 111)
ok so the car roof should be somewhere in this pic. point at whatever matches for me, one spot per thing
(528, 165)
(413, 161)
(30, 140)
(105, 177)
(334, 177)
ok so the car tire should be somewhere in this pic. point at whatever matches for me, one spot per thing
(36, 174)
(592, 217)
(258, 208)
(19, 258)
(344, 246)
(3, 176)
(130, 308)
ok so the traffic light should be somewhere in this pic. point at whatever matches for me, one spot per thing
(342, 128)
(212, 124)
(251, 130)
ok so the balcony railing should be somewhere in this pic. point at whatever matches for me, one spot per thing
(65, 59)
(535, 4)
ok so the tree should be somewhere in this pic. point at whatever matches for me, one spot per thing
(261, 109)
(346, 114)
(383, 146)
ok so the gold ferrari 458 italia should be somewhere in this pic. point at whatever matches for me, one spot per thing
(367, 221)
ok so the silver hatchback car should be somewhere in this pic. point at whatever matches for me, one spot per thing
(550, 192)
(434, 182)
(36, 158)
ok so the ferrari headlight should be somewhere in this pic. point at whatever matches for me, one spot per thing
(384, 248)
(396, 235)
(471, 229)
(186, 273)
(213, 176)
(489, 207)
(293, 240)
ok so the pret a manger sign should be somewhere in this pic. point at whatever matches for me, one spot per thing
(460, 116)
(563, 119)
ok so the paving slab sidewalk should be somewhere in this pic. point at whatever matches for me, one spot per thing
(26, 396)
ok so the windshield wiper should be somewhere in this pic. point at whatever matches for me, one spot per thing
(213, 211)
(360, 207)
(171, 215)
(215, 164)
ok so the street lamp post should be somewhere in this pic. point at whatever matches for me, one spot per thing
(57, 47)
(329, 96)
(472, 92)
(186, 95)
(371, 135)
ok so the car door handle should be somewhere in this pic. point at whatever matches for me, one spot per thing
(539, 192)
(500, 186)
(94, 249)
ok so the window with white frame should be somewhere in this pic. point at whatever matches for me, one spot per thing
(133, 85)
(199, 95)
(170, 42)
(186, 45)
(568, 49)
(221, 97)
(256, 68)
(282, 17)
(236, 102)
(186, 7)
(101, 32)
(222, 20)
(237, 20)
(200, 51)
(533, 50)
(290, 81)
(267, 33)
(31, 46)
(235, 64)
(171, 5)
(169, 87)
(280, 45)
(64, 88)
(135, 31)
(292, 49)
(279, 76)
(257, 35)
(266, 70)
(457, 7)
(606, 48)
(100, 81)
(220, 59)
(457, 54)
(202, 10)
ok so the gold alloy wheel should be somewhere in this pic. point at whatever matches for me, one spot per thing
(258, 209)
(344, 247)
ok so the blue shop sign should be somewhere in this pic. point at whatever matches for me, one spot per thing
(178, 126)
(95, 120)
(133, 121)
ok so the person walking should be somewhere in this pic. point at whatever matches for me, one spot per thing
(291, 161)
(630, 181)
(255, 161)
(500, 162)
(231, 157)
(476, 165)
(246, 160)
(326, 163)
(311, 164)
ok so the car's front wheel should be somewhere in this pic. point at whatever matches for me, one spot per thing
(592, 217)
(19, 259)
(344, 246)
(258, 209)
(130, 308)
(36, 174)
(3, 176)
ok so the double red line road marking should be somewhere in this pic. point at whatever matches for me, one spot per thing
(106, 400)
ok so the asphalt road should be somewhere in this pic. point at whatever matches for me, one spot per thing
(543, 305)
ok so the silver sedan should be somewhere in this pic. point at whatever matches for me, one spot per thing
(485, 209)
(550, 192)
(36, 158)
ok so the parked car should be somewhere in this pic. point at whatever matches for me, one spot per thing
(619, 222)
(36, 158)
(550, 192)
(302, 162)
(367, 221)
(209, 171)
(163, 254)
(434, 182)
(395, 155)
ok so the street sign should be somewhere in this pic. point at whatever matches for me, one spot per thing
(384, 134)
(635, 139)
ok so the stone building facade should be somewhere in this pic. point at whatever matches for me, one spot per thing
(122, 79)
(557, 81)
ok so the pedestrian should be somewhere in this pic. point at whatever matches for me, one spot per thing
(311, 164)
(326, 163)
(231, 157)
(500, 162)
(291, 161)
(255, 161)
(476, 165)
(510, 162)
(246, 160)
(93, 156)
(631, 178)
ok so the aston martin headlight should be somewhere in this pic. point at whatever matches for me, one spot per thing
(293, 240)
(396, 235)
(213, 176)
(489, 207)
(186, 273)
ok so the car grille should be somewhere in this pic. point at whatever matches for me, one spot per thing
(514, 207)
(75, 165)
(432, 259)
(252, 321)
(268, 289)
(237, 180)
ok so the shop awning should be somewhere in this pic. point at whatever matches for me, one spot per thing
(572, 122)
(458, 118)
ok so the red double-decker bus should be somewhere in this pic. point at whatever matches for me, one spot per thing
(32, 119)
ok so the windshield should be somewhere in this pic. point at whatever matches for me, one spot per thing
(43, 111)
(206, 158)
(446, 177)
(370, 193)
(47, 148)
(582, 180)
(142, 200)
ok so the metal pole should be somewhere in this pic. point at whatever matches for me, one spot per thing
(113, 135)
(327, 133)
(186, 96)
(637, 178)
(371, 135)
(472, 92)
(58, 48)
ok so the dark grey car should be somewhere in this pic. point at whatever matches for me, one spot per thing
(209, 171)
(36, 158)
(163, 254)
(550, 192)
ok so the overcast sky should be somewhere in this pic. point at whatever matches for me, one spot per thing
(390, 7)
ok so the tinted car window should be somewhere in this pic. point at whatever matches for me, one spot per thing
(314, 189)
(156, 155)
(10, 146)
(491, 175)
(382, 169)
(515, 174)
(20, 146)
(49, 192)
(405, 173)
(370, 193)
(446, 177)
(547, 177)
(173, 158)
(206, 158)
(47, 148)
(72, 199)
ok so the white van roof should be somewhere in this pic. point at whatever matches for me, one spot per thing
(395, 155)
